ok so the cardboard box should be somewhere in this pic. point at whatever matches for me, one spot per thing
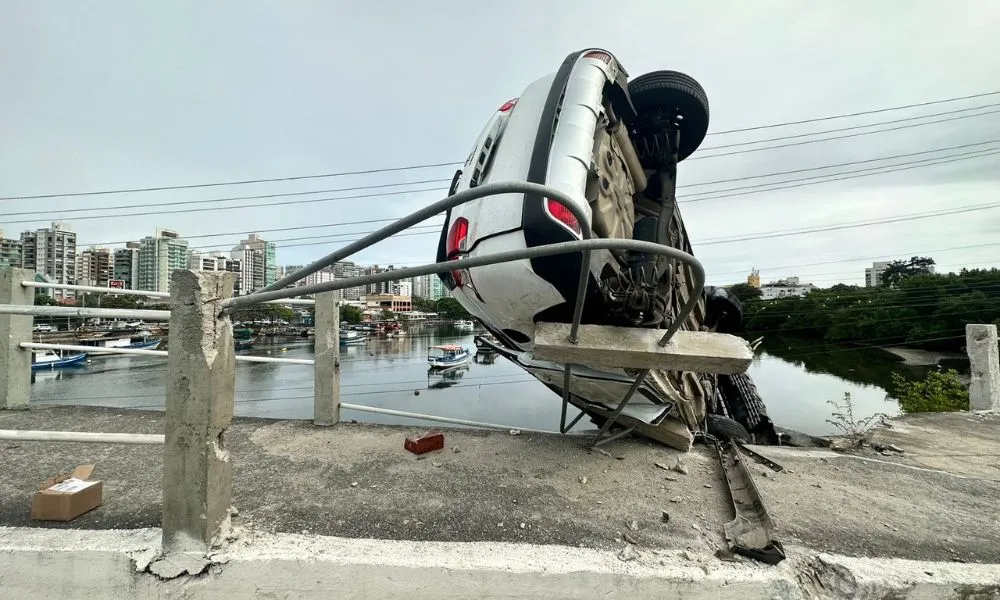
(67, 496)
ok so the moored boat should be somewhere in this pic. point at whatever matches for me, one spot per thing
(50, 359)
(446, 356)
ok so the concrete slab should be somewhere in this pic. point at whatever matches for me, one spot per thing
(630, 347)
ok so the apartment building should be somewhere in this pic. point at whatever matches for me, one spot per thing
(51, 252)
(159, 256)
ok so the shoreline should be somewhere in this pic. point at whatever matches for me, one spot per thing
(921, 358)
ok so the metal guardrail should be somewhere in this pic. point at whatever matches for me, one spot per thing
(185, 530)
(146, 293)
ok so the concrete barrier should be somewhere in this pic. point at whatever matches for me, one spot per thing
(39, 563)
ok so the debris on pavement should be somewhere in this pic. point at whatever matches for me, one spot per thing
(432, 440)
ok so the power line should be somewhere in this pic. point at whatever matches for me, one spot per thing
(852, 127)
(229, 199)
(265, 205)
(846, 164)
(860, 258)
(858, 176)
(241, 182)
(887, 169)
(758, 236)
(428, 181)
(849, 225)
(855, 114)
(890, 169)
(453, 163)
(839, 137)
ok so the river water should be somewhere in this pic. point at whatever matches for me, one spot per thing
(797, 381)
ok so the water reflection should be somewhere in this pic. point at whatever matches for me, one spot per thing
(796, 378)
(866, 366)
(440, 379)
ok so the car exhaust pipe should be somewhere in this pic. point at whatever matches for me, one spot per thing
(620, 135)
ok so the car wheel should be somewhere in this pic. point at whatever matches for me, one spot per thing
(673, 95)
(725, 428)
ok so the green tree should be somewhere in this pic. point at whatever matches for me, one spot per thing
(922, 309)
(449, 308)
(351, 314)
(745, 292)
(386, 315)
(900, 269)
(939, 391)
(45, 300)
(423, 304)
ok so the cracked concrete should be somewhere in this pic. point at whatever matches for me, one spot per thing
(333, 505)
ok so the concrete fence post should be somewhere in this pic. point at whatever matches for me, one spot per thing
(15, 362)
(201, 382)
(984, 366)
(326, 375)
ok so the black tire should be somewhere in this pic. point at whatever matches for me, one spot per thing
(725, 428)
(678, 94)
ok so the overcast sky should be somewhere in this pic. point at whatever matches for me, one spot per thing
(109, 95)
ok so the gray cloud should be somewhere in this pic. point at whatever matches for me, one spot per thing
(131, 95)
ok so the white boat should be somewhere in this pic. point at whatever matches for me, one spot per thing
(352, 338)
(447, 356)
(464, 325)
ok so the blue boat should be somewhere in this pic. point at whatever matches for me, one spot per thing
(448, 356)
(49, 359)
(145, 345)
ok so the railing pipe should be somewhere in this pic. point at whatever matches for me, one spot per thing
(94, 289)
(492, 189)
(159, 353)
(72, 311)
(499, 257)
(18, 435)
(146, 293)
(402, 413)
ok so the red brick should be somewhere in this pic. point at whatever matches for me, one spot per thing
(432, 440)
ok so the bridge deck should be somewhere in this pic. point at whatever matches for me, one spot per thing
(293, 477)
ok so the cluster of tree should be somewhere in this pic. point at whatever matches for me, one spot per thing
(911, 306)
(448, 308)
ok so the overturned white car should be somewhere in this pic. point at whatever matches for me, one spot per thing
(612, 145)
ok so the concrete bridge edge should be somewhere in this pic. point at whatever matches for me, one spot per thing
(38, 562)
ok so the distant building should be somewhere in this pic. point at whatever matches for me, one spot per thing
(159, 256)
(389, 302)
(402, 288)
(52, 253)
(753, 279)
(344, 270)
(94, 267)
(324, 275)
(217, 263)
(11, 252)
(125, 265)
(785, 288)
(873, 275)
(258, 259)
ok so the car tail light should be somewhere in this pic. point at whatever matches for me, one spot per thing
(456, 243)
(508, 105)
(602, 56)
(560, 213)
